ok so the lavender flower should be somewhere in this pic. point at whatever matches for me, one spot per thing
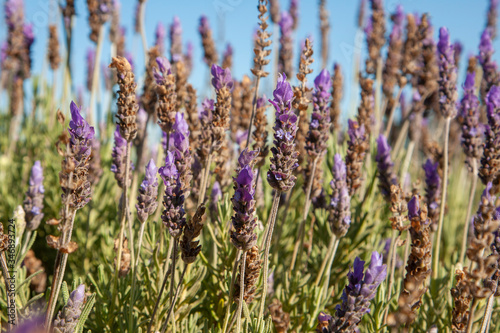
(182, 154)
(358, 293)
(491, 23)
(147, 200)
(490, 161)
(385, 167)
(339, 210)
(173, 200)
(90, 67)
(317, 137)
(223, 84)
(67, 319)
(357, 146)
(227, 57)
(165, 90)
(33, 204)
(175, 40)
(472, 131)
(490, 70)
(210, 56)
(221, 78)
(286, 45)
(244, 220)
(118, 156)
(294, 13)
(447, 75)
(160, 34)
(77, 189)
(432, 190)
(284, 160)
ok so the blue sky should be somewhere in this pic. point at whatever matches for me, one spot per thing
(234, 21)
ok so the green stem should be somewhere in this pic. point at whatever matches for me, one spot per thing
(304, 216)
(10, 300)
(231, 290)
(470, 322)
(329, 270)
(469, 209)
(435, 266)
(242, 292)
(172, 305)
(265, 267)
(326, 259)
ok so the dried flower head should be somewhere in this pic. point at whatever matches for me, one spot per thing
(432, 191)
(148, 98)
(385, 166)
(285, 57)
(280, 318)
(118, 155)
(448, 94)
(190, 247)
(53, 48)
(337, 93)
(127, 101)
(339, 210)
(261, 42)
(260, 131)
(210, 51)
(357, 147)
(489, 170)
(253, 266)
(165, 91)
(367, 104)
(175, 34)
(375, 31)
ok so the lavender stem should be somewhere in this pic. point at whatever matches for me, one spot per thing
(435, 258)
(231, 290)
(470, 322)
(123, 217)
(391, 115)
(95, 74)
(329, 270)
(469, 208)
(304, 216)
(265, 267)
(165, 278)
(331, 246)
(254, 107)
(171, 309)
(242, 292)
(143, 33)
(204, 180)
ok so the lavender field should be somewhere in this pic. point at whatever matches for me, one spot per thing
(173, 189)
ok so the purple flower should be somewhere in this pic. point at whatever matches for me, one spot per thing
(118, 156)
(490, 168)
(160, 34)
(284, 160)
(180, 126)
(33, 204)
(68, 318)
(472, 130)
(447, 75)
(317, 137)
(175, 34)
(339, 210)
(244, 220)
(90, 67)
(79, 129)
(385, 167)
(147, 200)
(162, 71)
(358, 293)
(397, 29)
(173, 200)
(432, 190)
(182, 155)
(413, 207)
(221, 78)
(228, 52)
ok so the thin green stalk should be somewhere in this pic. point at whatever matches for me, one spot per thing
(95, 74)
(60, 267)
(435, 257)
(204, 180)
(329, 270)
(254, 107)
(470, 322)
(172, 305)
(469, 209)
(487, 313)
(231, 290)
(391, 115)
(265, 267)
(242, 292)
(123, 219)
(304, 216)
(378, 95)
(165, 279)
(326, 259)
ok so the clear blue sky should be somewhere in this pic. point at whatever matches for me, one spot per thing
(234, 21)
